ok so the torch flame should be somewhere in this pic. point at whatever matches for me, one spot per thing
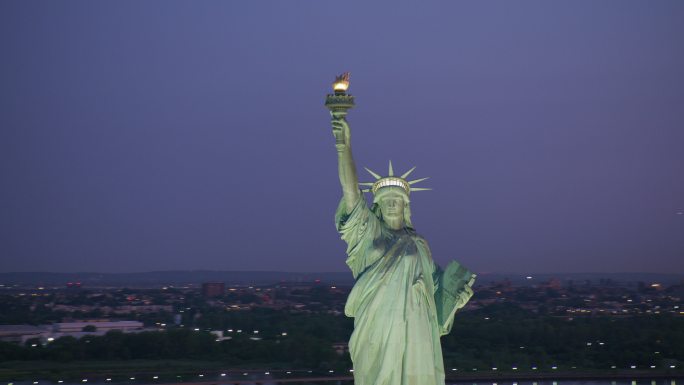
(341, 82)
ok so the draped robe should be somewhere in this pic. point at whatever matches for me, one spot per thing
(402, 302)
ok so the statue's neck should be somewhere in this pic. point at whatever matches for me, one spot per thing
(394, 223)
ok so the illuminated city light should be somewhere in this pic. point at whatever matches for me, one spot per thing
(652, 366)
(672, 366)
(534, 368)
(155, 377)
(84, 380)
(132, 378)
(632, 366)
(554, 367)
(223, 374)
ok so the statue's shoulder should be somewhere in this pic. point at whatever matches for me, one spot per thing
(417, 237)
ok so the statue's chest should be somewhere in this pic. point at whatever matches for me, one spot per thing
(402, 248)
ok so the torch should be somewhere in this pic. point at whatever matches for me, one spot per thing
(339, 102)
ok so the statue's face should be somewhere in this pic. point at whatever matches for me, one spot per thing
(392, 205)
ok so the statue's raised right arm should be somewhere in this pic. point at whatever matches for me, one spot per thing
(346, 165)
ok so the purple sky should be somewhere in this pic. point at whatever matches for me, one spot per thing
(140, 136)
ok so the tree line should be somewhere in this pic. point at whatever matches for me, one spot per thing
(501, 336)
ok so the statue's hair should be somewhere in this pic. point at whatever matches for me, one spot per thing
(407, 204)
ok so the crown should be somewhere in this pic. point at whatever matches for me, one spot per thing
(392, 181)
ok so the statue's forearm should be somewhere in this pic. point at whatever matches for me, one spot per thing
(348, 177)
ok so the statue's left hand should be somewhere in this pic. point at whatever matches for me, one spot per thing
(464, 295)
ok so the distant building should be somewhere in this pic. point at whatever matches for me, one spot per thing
(21, 333)
(213, 289)
(341, 348)
(553, 283)
(219, 335)
(100, 326)
(46, 333)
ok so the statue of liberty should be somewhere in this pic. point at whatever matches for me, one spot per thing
(402, 302)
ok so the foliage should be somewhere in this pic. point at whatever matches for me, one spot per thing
(500, 336)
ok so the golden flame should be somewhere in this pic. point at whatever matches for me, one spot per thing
(341, 82)
(341, 86)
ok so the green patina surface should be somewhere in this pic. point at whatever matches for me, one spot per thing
(402, 302)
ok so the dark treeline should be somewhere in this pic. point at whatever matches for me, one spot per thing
(501, 336)
(505, 336)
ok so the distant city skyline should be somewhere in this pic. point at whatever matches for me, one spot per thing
(192, 136)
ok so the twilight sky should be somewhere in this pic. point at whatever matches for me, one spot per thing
(139, 136)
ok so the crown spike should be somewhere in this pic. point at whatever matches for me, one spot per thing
(391, 170)
(418, 180)
(375, 175)
(420, 189)
(408, 172)
(366, 190)
(366, 183)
